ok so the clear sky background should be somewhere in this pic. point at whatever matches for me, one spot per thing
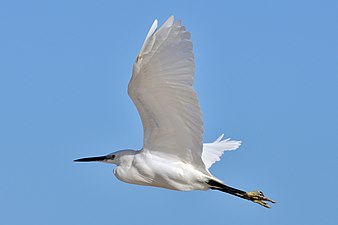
(266, 74)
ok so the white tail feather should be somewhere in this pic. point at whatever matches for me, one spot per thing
(212, 152)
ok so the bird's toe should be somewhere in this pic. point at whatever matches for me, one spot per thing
(259, 198)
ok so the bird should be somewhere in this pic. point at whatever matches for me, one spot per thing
(173, 155)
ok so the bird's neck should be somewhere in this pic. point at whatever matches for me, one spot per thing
(125, 157)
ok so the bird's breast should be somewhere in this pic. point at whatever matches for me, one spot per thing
(158, 172)
(132, 175)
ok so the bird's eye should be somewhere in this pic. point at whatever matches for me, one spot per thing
(112, 157)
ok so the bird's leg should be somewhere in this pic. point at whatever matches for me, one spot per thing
(254, 196)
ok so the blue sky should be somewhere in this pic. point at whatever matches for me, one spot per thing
(266, 74)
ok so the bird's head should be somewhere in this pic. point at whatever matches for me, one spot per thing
(112, 158)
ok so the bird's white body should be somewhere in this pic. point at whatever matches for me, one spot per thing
(173, 154)
(144, 168)
(158, 169)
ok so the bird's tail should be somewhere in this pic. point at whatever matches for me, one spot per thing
(255, 196)
(212, 152)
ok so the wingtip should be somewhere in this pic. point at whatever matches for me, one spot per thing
(155, 22)
(169, 22)
(152, 29)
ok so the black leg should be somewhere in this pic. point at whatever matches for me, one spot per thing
(255, 196)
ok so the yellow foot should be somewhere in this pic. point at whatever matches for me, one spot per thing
(259, 198)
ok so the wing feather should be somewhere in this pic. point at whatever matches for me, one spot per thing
(161, 89)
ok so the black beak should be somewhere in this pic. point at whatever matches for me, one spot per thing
(91, 159)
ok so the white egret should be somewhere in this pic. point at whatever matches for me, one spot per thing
(173, 154)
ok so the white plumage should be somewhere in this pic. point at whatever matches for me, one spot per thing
(173, 154)
(161, 88)
(212, 152)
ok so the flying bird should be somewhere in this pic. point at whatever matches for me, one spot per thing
(173, 154)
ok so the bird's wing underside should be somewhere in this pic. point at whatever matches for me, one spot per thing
(161, 88)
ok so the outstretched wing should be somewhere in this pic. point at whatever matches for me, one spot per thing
(161, 89)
